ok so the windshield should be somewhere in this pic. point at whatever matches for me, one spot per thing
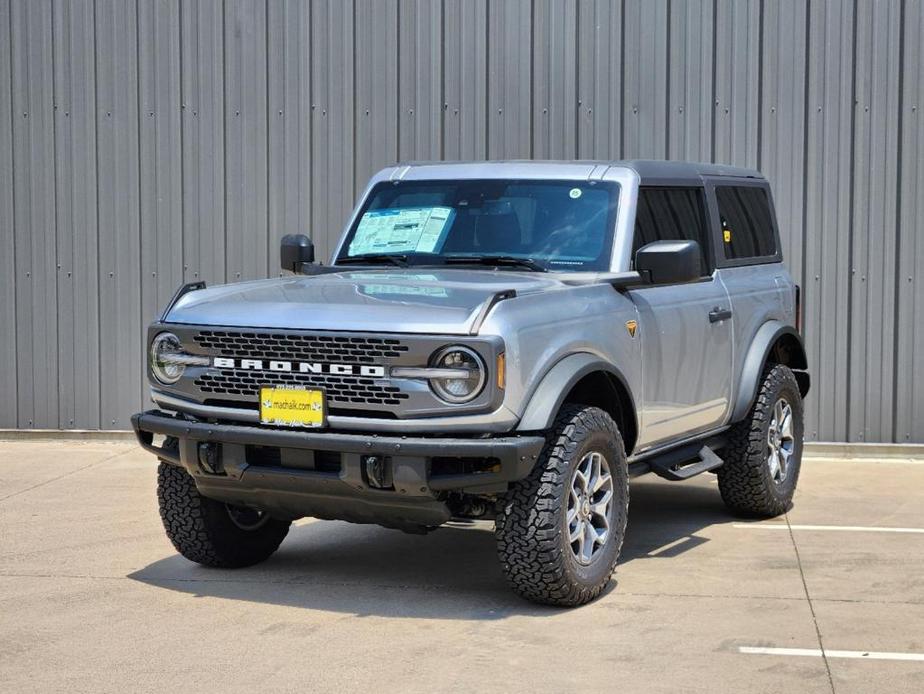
(514, 224)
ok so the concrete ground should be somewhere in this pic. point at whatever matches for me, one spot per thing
(93, 597)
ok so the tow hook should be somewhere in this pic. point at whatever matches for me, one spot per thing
(378, 472)
(209, 456)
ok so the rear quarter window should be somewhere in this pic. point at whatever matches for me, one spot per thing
(747, 222)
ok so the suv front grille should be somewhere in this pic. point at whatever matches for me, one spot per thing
(343, 389)
(273, 345)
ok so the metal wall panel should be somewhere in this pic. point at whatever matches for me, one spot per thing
(202, 51)
(144, 143)
(909, 306)
(644, 81)
(737, 40)
(289, 134)
(9, 399)
(465, 83)
(376, 90)
(509, 128)
(827, 222)
(76, 220)
(873, 266)
(690, 84)
(159, 134)
(34, 205)
(332, 118)
(420, 61)
(555, 102)
(782, 143)
(247, 253)
(600, 93)
(118, 181)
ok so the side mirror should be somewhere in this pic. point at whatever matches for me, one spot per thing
(294, 251)
(669, 262)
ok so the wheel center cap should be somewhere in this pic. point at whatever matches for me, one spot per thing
(776, 438)
(585, 507)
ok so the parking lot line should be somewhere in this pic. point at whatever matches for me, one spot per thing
(818, 653)
(836, 528)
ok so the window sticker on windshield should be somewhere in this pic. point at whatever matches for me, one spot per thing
(387, 276)
(575, 193)
(403, 290)
(402, 230)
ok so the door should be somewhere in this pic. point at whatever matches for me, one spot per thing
(686, 329)
(750, 261)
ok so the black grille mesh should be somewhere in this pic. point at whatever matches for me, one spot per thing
(325, 348)
(344, 389)
(339, 349)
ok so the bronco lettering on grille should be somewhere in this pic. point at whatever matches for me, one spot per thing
(304, 367)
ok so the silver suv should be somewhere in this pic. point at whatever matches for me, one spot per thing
(509, 341)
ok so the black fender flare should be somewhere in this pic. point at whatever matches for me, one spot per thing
(547, 398)
(767, 336)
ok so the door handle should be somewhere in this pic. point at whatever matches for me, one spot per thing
(717, 314)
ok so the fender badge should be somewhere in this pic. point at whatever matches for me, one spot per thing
(631, 326)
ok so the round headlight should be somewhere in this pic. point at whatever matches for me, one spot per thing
(458, 390)
(165, 369)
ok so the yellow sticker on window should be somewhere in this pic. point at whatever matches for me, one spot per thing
(726, 234)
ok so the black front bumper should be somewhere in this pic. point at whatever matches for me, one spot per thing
(295, 473)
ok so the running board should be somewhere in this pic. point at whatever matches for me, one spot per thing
(685, 462)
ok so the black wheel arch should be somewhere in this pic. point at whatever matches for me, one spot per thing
(774, 343)
(585, 379)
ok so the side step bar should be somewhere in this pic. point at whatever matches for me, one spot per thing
(685, 462)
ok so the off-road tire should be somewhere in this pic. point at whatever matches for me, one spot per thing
(745, 480)
(531, 527)
(202, 530)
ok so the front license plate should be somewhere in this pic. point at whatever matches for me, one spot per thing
(292, 407)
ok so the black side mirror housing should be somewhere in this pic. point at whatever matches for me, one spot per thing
(295, 250)
(669, 262)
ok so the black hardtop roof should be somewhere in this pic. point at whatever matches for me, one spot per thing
(663, 169)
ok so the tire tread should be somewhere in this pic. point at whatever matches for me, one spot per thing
(528, 526)
(743, 480)
(190, 523)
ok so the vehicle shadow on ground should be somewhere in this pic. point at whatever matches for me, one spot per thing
(452, 573)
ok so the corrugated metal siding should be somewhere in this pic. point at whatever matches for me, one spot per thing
(9, 372)
(147, 143)
(909, 278)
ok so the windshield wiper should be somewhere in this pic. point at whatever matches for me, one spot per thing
(496, 261)
(367, 258)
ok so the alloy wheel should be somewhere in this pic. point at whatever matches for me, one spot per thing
(590, 503)
(780, 441)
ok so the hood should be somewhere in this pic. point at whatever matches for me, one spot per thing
(397, 301)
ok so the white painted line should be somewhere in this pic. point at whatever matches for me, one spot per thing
(818, 653)
(818, 458)
(836, 528)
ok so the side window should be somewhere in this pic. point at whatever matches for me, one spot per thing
(672, 214)
(747, 222)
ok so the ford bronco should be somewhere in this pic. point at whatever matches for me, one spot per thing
(509, 341)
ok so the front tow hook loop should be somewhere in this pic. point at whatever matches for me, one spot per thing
(209, 456)
(378, 472)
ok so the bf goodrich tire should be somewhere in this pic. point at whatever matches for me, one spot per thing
(560, 530)
(764, 452)
(210, 532)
